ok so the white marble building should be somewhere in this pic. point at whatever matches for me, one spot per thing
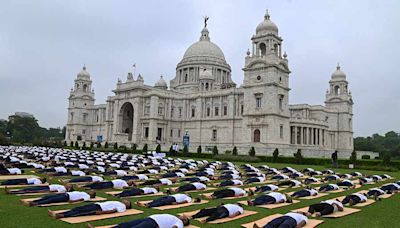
(203, 101)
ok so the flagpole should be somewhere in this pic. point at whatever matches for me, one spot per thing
(134, 69)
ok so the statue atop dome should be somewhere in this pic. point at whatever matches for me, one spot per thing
(206, 18)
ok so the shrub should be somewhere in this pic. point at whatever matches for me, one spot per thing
(353, 157)
(65, 144)
(234, 151)
(199, 149)
(237, 158)
(98, 144)
(76, 145)
(134, 148)
(275, 155)
(158, 148)
(298, 157)
(71, 144)
(228, 152)
(365, 156)
(252, 151)
(84, 146)
(215, 150)
(106, 145)
(91, 145)
(144, 148)
(185, 150)
(115, 146)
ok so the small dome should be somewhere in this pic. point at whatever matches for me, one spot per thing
(266, 26)
(205, 74)
(161, 83)
(338, 74)
(83, 73)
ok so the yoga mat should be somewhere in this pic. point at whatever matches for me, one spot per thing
(96, 199)
(338, 214)
(89, 218)
(109, 226)
(227, 198)
(384, 196)
(272, 206)
(309, 197)
(113, 193)
(9, 177)
(311, 223)
(21, 186)
(174, 206)
(223, 220)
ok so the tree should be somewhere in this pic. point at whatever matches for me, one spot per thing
(234, 151)
(386, 159)
(185, 150)
(215, 150)
(98, 144)
(91, 145)
(106, 145)
(84, 146)
(145, 148)
(65, 144)
(134, 148)
(275, 155)
(298, 157)
(115, 146)
(353, 157)
(252, 151)
(71, 144)
(199, 149)
(76, 145)
(158, 148)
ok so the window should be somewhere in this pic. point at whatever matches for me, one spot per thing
(83, 132)
(147, 110)
(263, 49)
(84, 87)
(214, 134)
(280, 97)
(97, 118)
(225, 110)
(160, 110)
(280, 79)
(207, 86)
(85, 117)
(171, 134)
(146, 132)
(349, 123)
(256, 136)
(258, 102)
(72, 116)
(172, 112)
(241, 109)
(216, 111)
(186, 77)
(337, 90)
(208, 111)
(193, 112)
(281, 131)
(179, 132)
(180, 112)
(258, 77)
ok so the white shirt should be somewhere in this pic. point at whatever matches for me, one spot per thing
(296, 182)
(60, 169)
(33, 181)
(181, 198)
(262, 179)
(167, 221)
(377, 189)
(57, 188)
(112, 205)
(234, 176)
(205, 179)
(238, 191)
(272, 187)
(237, 182)
(233, 209)
(361, 196)
(77, 173)
(334, 203)
(147, 190)
(277, 196)
(199, 185)
(121, 172)
(312, 192)
(142, 177)
(14, 171)
(73, 196)
(96, 178)
(119, 184)
(335, 187)
(165, 181)
(298, 217)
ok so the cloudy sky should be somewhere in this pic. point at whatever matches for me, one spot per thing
(44, 44)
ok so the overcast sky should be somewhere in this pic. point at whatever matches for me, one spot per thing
(44, 44)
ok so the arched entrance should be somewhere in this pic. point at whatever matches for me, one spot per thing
(126, 119)
(256, 135)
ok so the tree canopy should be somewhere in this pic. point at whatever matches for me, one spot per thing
(388, 143)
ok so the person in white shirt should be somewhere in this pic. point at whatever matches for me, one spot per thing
(231, 183)
(290, 183)
(11, 171)
(219, 212)
(86, 179)
(328, 188)
(375, 192)
(188, 187)
(116, 184)
(324, 208)
(354, 199)
(229, 192)
(138, 192)
(156, 221)
(70, 197)
(255, 180)
(170, 200)
(78, 173)
(42, 189)
(304, 193)
(107, 207)
(25, 181)
(288, 220)
(269, 198)
(266, 188)
(162, 181)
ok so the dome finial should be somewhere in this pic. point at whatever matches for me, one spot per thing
(338, 66)
(267, 15)
(248, 52)
(84, 67)
(206, 18)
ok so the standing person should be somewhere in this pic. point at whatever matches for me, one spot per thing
(176, 148)
(334, 159)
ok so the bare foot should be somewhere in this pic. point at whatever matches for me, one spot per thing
(89, 225)
(50, 213)
(203, 221)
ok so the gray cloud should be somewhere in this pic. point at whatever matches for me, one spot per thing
(45, 43)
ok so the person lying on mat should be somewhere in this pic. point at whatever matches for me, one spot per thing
(138, 192)
(117, 172)
(331, 178)
(135, 177)
(155, 221)
(345, 176)
(376, 178)
(269, 198)
(148, 171)
(310, 180)
(366, 180)
(296, 175)
(188, 187)
(56, 171)
(11, 171)
(229, 192)
(346, 183)
(91, 179)
(314, 173)
(107, 207)
(266, 188)
(280, 177)
(197, 179)
(229, 177)
(375, 192)
(255, 175)
(304, 193)
(324, 208)
(219, 212)
(254, 180)
(290, 183)
(385, 176)
(328, 171)
(173, 174)
(69, 197)
(170, 200)
(207, 173)
(231, 183)
(354, 199)
(288, 220)
(328, 188)
(77, 173)
(390, 188)
(37, 189)
(25, 181)
(162, 181)
(356, 174)
(116, 184)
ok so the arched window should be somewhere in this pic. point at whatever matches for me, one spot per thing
(256, 135)
(337, 90)
(263, 49)
(186, 77)
(207, 86)
(84, 87)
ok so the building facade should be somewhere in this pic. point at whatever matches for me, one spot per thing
(203, 102)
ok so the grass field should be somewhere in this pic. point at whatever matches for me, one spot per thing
(383, 213)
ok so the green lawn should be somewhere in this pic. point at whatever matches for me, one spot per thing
(384, 213)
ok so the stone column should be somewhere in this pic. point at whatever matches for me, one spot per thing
(301, 135)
